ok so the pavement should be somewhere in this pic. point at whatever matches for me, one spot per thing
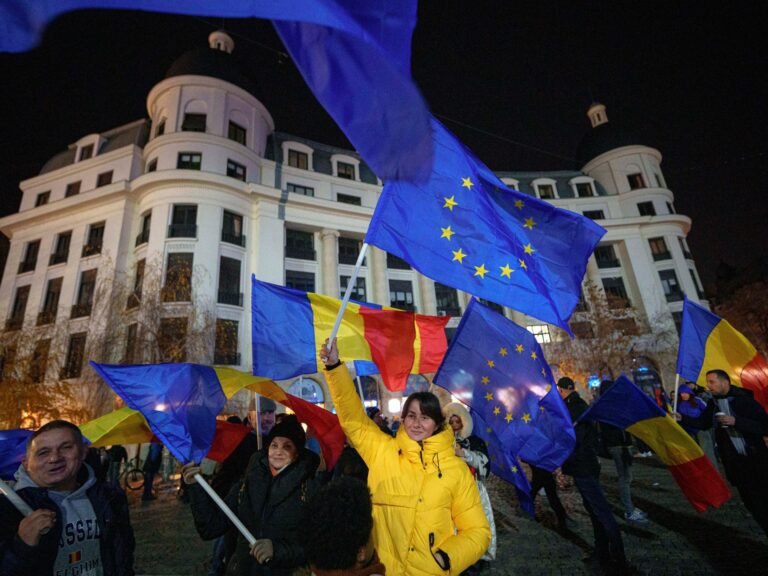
(675, 541)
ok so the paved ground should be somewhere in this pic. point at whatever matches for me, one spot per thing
(677, 540)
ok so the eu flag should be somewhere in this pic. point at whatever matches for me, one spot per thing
(498, 369)
(465, 228)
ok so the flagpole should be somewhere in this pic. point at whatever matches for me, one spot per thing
(677, 385)
(348, 293)
(224, 508)
(257, 424)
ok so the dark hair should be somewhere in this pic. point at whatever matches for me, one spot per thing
(345, 506)
(234, 419)
(430, 406)
(57, 425)
(721, 374)
(566, 383)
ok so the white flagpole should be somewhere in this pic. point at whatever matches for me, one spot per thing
(677, 385)
(348, 293)
(15, 499)
(224, 508)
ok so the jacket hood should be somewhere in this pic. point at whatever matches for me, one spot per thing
(437, 444)
(458, 409)
(85, 476)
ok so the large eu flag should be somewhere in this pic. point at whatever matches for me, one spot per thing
(498, 369)
(465, 228)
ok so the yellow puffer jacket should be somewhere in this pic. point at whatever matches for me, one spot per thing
(422, 494)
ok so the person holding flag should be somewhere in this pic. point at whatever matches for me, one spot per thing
(428, 518)
(741, 426)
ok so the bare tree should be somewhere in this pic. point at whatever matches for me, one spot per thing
(747, 310)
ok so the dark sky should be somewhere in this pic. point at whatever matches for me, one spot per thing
(512, 79)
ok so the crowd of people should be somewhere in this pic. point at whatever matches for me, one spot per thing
(412, 502)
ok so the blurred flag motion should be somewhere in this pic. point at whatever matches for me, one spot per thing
(707, 342)
(289, 327)
(466, 229)
(498, 369)
(625, 406)
(178, 419)
(13, 446)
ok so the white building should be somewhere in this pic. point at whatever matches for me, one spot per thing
(207, 183)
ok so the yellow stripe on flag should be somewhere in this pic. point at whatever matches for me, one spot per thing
(667, 439)
(123, 426)
(351, 336)
(726, 349)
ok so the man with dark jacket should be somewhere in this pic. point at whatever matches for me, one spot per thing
(741, 425)
(584, 467)
(78, 525)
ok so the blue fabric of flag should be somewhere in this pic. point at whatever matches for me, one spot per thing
(623, 405)
(13, 447)
(365, 368)
(465, 228)
(355, 57)
(285, 315)
(697, 325)
(498, 369)
(179, 401)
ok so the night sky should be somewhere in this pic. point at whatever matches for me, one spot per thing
(513, 80)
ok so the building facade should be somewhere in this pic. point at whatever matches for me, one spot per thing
(191, 202)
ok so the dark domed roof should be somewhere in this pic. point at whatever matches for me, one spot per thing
(603, 138)
(214, 64)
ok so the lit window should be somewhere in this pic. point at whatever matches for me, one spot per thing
(672, 290)
(540, 332)
(401, 295)
(298, 159)
(235, 170)
(659, 249)
(545, 191)
(636, 181)
(345, 170)
(95, 240)
(189, 161)
(358, 290)
(86, 152)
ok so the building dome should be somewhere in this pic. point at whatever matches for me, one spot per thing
(215, 61)
(603, 136)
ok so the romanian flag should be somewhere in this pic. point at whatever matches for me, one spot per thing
(289, 327)
(707, 342)
(168, 420)
(625, 406)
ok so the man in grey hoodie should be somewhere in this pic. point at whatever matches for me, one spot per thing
(78, 526)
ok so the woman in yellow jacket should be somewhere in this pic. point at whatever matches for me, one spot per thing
(428, 518)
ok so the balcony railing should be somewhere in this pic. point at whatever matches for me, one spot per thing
(92, 249)
(46, 317)
(142, 237)
(80, 310)
(58, 258)
(176, 293)
(182, 231)
(299, 253)
(226, 358)
(14, 323)
(27, 266)
(231, 298)
(236, 239)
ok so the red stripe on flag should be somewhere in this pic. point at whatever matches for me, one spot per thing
(754, 377)
(228, 435)
(434, 344)
(390, 335)
(323, 424)
(701, 483)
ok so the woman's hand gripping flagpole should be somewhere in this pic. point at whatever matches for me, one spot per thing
(347, 294)
(192, 471)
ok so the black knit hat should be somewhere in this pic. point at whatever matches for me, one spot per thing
(290, 428)
(566, 383)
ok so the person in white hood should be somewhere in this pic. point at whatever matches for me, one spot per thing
(78, 526)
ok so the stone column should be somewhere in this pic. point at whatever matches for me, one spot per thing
(378, 266)
(428, 300)
(330, 262)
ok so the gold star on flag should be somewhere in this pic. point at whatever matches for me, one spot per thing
(458, 255)
(450, 203)
(533, 355)
(485, 380)
(548, 387)
(496, 411)
(467, 183)
(523, 265)
(508, 418)
(488, 430)
(526, 417)
(529, 249)
(519, 204)
(541, 408)
(488, 396)
(481, 271)
(544, 373)
(519, 349)
(447, 233)
(529, 223)
(491, 363)
(506, 271)
(514, 469)
(503, 351)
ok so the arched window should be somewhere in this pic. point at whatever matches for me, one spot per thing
(307, 389)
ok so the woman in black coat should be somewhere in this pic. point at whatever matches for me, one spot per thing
(269, 501)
